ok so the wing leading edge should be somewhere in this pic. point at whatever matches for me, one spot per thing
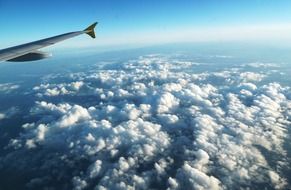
(29, 51)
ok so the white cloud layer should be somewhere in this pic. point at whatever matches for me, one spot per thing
(157, 127)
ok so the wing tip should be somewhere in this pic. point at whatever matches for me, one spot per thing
(90, 30)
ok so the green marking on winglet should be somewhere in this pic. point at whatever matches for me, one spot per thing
(90, 30)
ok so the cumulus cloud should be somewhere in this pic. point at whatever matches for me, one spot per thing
(58, 89)
(152, 125)
(251, 77)
(192, 178)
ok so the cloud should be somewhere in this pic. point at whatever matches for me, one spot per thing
(193, 178)
(58, 89)
(8, 87)
(2, 116)
(261, 65)
(151, 125)
(9, 113)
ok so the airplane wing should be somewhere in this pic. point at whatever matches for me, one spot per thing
(30, 51)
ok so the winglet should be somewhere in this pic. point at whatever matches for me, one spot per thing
(90, 30)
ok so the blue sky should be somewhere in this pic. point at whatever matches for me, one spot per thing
(141, 21)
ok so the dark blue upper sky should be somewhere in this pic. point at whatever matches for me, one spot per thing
(25, 20)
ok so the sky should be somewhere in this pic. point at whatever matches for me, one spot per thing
(145, 21)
